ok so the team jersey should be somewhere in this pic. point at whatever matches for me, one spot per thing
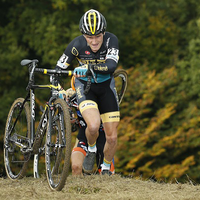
(104, 60)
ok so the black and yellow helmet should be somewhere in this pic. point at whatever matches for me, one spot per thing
(92, 23)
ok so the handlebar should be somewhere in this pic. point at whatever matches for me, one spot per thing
(54, 71)
(32, 68)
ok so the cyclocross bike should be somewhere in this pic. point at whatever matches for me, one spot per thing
(121, 81)
(20, 139)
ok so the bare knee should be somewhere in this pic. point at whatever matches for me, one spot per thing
(76, 169)
(111, 139)
(111, 132)
(93, 128)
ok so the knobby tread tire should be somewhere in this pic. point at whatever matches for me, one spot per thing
(26, 108)
(66, 167)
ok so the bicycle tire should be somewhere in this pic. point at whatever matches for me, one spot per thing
(58, 146)
(121, 84)
(39, 161)
(15, 160)
(35, 166)
(39, 145)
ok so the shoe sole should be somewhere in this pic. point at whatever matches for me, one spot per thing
(87, 171)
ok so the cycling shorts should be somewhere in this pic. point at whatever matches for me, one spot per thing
(102, 96)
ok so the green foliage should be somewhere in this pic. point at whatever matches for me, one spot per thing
(155, 136)
(160, 48)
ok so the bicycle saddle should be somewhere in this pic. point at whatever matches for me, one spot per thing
(27, 62)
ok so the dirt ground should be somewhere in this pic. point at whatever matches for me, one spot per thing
(98, 187)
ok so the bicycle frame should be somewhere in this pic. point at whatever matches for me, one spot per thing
(31, 95)
(44, 118)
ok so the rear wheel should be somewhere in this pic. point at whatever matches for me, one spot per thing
(121, 81)
(16, 140)
(58, 146)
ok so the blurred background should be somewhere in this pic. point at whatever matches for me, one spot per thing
(159, 133)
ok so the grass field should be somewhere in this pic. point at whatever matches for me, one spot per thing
(98, 188)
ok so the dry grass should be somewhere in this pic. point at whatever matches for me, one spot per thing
(98, 187)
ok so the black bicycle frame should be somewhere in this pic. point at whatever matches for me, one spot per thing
(44, 117)
(32, 107)
(31, 94)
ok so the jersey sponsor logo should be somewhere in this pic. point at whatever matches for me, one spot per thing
(74, 51)
(100, 68)
(83, 61)
(112, 117)
(78, 92)
(102, 52)
(93, 61)
(101, 61)
(87, 52)
(87, 104)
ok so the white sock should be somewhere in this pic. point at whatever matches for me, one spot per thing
(92, 149)
(105, 167)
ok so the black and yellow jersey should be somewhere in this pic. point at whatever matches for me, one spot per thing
(104, 60)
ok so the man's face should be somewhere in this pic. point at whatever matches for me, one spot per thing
(94, 41)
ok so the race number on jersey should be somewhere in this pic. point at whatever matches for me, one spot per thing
(62, 62)
(113, 54)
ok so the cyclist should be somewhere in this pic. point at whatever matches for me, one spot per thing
(97, 50)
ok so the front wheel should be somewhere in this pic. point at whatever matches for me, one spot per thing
(17, 139)
(58, 145)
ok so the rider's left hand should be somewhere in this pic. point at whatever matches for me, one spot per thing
(81, 71)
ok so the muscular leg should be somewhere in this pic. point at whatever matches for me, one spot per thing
(92, 119)
(111, 140)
